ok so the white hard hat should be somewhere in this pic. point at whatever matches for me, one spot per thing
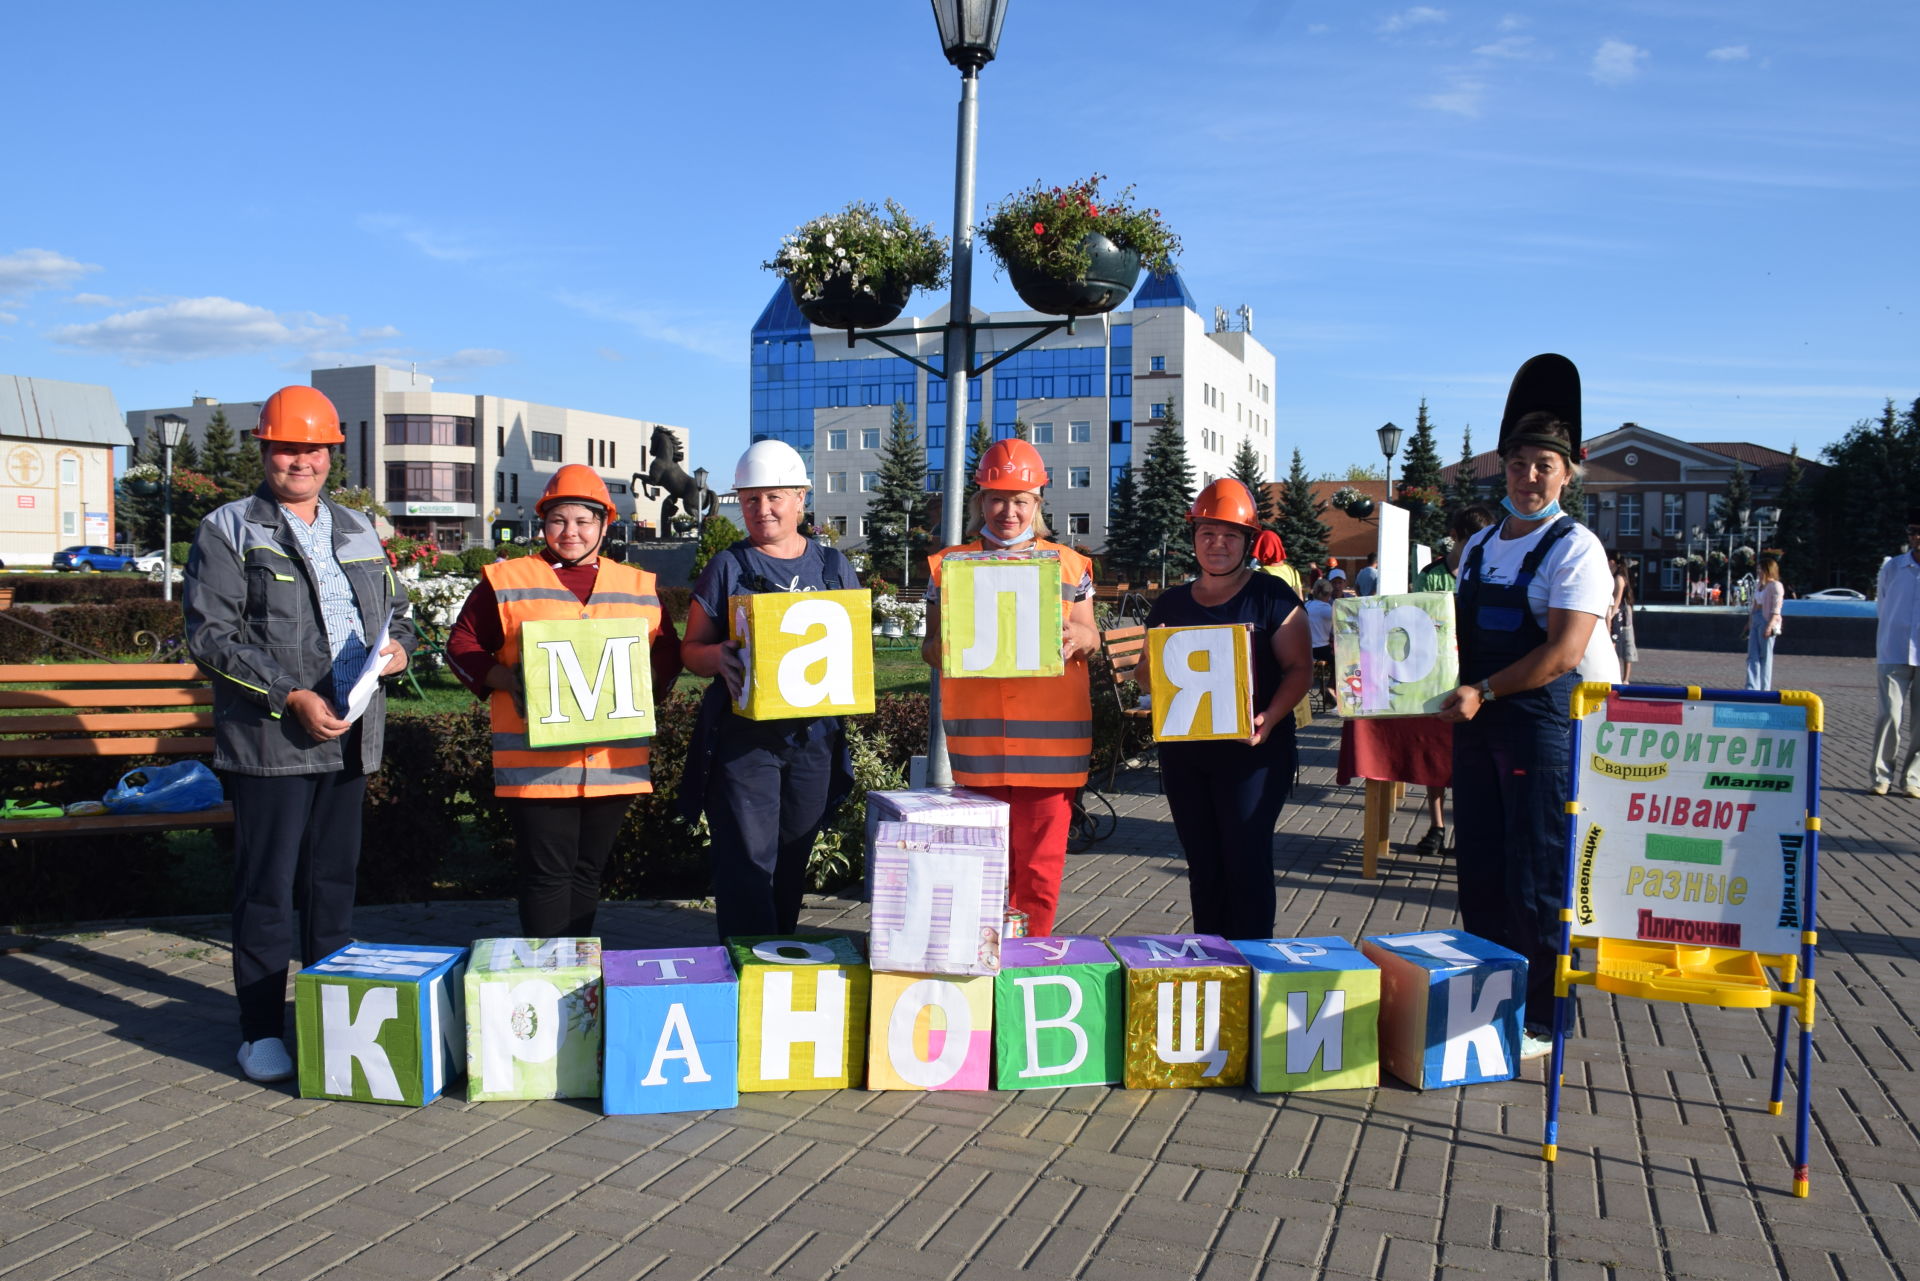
(771, 464)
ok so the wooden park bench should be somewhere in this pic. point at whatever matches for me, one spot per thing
(107, 709)
(1123, 648)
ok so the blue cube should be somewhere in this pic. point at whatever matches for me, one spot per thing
(1450, 1007)
(673, 1026)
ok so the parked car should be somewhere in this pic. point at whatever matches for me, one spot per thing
(91, 558)
(150, 562)
(1836, 593)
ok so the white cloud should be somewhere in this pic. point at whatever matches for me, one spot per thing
(1462, 98)
(8, 318)
(1419, 16)
(1510, 22)
(1616, 62)
(443, 246)
(610, 354)
(1512, 48)
(195, 329)
(381, 331)
(1730, 53)
(717, 341)
(26, 270)
(1318, 29)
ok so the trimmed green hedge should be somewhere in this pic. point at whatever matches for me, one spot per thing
(79, 588)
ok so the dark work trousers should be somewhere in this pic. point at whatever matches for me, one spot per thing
(1226, 799)
(1510, 788)
(296, 845)
(766, 801)
(561, 845)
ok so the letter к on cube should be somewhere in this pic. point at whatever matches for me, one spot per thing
(1450, 1007)
(1187, 1021)
(533, 1019)
(1059, 1014)
(805, 653)
(379, 1023)
(673, 1030)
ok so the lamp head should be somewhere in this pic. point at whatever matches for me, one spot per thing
(969, 30)
(1389, 440)
(172, 429)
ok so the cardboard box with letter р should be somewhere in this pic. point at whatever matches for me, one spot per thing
(1394, 655)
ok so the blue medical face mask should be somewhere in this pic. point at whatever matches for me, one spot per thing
(1550, 512)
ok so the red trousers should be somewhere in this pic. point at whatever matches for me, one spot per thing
(1036, 847)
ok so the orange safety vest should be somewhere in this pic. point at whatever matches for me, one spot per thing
(1021, 731)
(528, 590)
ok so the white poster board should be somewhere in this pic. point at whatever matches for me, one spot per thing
(1692, 823)
(1395, 532)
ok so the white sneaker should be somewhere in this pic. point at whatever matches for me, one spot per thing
(1913, 791)
(1535, 1047)
(266, 1060)
(1879, 789)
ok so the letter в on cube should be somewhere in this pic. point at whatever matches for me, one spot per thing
(533, 1019)
(1394, 655)
(1450, 1007)
(937, 878)
(1316, 1015)
(1187, 1020)
(803, 1011)
(1000, 614)
(930, 1032)
(805, 653)
(588, 680)
(1201, 682)
(673, 1030)
(378, 1023)
(1059, 1014)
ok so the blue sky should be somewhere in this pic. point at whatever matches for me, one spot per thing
(1708, 206)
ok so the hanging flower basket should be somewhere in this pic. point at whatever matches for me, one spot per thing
(856, 269)
(1070, 252)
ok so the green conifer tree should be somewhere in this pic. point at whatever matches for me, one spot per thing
(1423, 473)
(1298, 520)
(1166, 496)
(1466, 486)
(218, 454)
(1126, 546)
(1246, 470)
(977, 444)
(897, 506)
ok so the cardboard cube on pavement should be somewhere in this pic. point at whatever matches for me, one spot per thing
(1316, 1015)
(937, 878)
(1059, 1014)
(930, 1032)
(803, 1011)
(805, 653)
(1187, 1020)
(379, 1023)
(533, 1019)
(673, 1028)
(1451, 1007)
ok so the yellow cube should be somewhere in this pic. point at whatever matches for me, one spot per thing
(1202, 682)
(1000, 615)
(806, 653)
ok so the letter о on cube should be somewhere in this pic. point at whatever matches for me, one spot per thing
(803, 1011)
(588, 680)
(930, 1032)
(673, 1030)
(1059, 1014)
(1316, 1013)
(533, 1019)
(1187, 1020)
(1000, 615)
(378, 1023)
(1451, 1007)
(937, 877)
(1201, 682)
(1394, 655)
(805, 653)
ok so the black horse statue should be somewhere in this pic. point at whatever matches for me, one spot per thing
(664, 472)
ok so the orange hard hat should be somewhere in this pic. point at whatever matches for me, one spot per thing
(1011, 464)
(575, 483)
(299, 415)
(1228, 501)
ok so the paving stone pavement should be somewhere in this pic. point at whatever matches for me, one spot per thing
(129, 1146)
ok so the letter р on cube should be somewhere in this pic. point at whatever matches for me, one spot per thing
(1187, 1022)
(533, 1019)
(1059, 1014)
(1000, 614)
(673, 1027)
(1451, 1006)
(1316, 1015)
(589, 680)
(803, 1011)
(937, 878)
(1394, 655)
(378, 1023)
(930, 1032)
(806, 653)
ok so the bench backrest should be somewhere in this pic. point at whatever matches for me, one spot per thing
(1123, 647)
(92, 721)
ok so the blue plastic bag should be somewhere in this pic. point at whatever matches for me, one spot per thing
(166, 789)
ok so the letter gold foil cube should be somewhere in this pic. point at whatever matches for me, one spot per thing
(1187, 1020)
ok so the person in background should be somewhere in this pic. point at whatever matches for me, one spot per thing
(1533, 590)
(566, 804)
(1897, 655)
(1319, 609)
(1620, 615)
(1022, 740)
(286, 596)
(1226, 796)
(1763, 623)
(766, 787)
(1367, 581)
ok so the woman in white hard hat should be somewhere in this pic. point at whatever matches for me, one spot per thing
(767, 787)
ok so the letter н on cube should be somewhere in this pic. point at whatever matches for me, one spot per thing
(803, 1011)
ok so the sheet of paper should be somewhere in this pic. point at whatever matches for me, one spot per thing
(360, 697)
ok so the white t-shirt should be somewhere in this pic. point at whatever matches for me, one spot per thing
(1574, 576)
(1319, 623)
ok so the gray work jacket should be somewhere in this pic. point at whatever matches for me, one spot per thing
(254, 625)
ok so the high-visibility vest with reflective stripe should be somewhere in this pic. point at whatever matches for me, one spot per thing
(528, 590)
(1021, 731)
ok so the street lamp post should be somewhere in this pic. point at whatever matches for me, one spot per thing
(1389, 437)
(172, 428)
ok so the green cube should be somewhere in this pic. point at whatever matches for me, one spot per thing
(534, 1019)
(377, 1023)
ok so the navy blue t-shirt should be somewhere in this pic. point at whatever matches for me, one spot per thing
(807, 572)
(1265, 602)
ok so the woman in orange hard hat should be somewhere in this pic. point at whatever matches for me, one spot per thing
(566, 804)
(1023, 740)
(1226, 795)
